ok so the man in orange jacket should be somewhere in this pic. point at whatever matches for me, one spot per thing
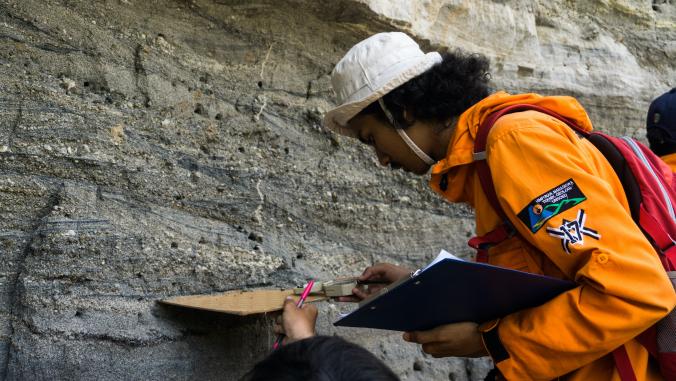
(421, 111)
(661, 127)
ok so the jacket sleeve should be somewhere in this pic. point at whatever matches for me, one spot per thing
(554, 187)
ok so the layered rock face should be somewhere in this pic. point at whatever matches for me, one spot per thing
(158, 148)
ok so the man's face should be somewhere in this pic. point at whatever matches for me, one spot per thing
(389, 147)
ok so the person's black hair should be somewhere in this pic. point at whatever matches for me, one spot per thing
(321, 358)
(660, 142)
(444, 91)
(661, 123)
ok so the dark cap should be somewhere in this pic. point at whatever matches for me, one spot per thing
(662, 114)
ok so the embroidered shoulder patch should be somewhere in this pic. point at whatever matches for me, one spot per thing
(551, 203)
(573, 232)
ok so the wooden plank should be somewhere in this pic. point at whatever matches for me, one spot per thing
(240, 302)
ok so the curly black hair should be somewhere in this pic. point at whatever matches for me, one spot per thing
(444, 91)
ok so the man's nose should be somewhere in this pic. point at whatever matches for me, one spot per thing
(383, 159)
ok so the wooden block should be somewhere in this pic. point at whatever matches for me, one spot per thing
(241, 302)
(332, 288)
(317, 288)
(339, 289)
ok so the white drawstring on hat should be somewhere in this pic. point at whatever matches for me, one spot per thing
(414, 147)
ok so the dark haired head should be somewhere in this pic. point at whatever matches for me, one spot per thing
(444, 91)
(321, 358)
(661, 124)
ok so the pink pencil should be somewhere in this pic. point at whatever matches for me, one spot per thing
(303, 296)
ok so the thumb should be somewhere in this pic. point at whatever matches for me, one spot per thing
(367, 273)
(289, 304)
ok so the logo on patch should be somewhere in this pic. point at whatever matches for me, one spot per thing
(573, 232)
(537, 209)
(551, 203)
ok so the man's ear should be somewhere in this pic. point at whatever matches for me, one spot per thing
(409, 115)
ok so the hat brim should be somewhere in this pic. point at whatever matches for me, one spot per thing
(336, 119)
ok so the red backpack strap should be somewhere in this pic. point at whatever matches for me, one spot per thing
(485, 242)
(481, 139)
(623, 364)
(506, 229)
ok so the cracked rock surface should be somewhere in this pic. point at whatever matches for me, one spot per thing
(150, 149)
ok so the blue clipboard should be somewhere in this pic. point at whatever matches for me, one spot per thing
(451, 291)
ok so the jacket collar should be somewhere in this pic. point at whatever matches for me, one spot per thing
(461, 146)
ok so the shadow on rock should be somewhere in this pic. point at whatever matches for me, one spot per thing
(219, 342)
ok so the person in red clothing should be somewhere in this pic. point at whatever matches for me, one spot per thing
(420, 112)
(661, 127)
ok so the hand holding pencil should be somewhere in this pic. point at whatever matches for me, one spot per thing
(297, 322)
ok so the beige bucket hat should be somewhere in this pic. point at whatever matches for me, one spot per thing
(371, 69)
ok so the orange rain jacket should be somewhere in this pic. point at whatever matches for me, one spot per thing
(670, 160)
(622, 287)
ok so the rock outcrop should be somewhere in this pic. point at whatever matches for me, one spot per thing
(158, 148)
(614, 56)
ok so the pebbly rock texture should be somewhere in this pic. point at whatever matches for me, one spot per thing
(158, 148)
